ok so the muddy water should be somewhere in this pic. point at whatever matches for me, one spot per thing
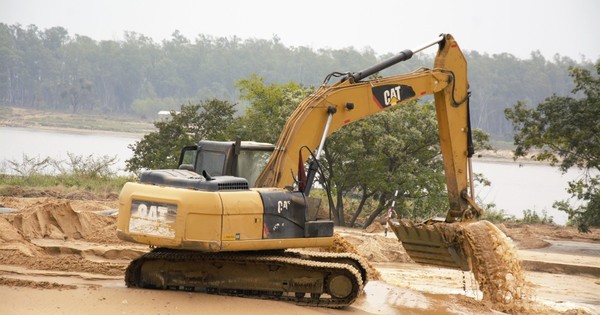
(381, 298)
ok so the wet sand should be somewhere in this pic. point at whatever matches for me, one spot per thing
(61, 257)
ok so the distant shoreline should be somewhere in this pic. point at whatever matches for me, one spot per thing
(16, 117)
(123, 134)
(28, 119)
(488, 156)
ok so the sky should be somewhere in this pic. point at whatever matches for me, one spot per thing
(567, 27)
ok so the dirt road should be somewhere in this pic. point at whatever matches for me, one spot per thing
(61, 256)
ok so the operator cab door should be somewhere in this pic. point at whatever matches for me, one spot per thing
(213, 157)
(244, 159)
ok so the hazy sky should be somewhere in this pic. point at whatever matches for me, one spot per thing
(567, 27)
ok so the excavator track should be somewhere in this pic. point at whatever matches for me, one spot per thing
(304, 278)
(355, 260)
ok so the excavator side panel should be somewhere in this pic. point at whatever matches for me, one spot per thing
(204, 221)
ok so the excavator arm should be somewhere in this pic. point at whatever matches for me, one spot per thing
(351, 99)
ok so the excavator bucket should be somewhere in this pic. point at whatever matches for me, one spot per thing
(433, 243)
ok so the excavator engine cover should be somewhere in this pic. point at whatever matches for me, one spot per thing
(433, 243)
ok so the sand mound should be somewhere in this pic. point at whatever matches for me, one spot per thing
(53, 219)
(375, 227)
(8, 233)
(28, 192)
(376, 248)
(341, 245)
(56, 219)
(11, 239)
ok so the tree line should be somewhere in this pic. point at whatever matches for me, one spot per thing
(52, 69)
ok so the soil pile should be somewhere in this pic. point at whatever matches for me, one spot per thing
(341, 245)
(375, 247)
(11, 239)
(56, 219)
(375, 227)
(52, 218)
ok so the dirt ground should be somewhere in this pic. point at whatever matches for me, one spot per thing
(60, 255)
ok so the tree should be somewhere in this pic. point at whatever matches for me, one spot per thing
(212, 119)
(565, 131)
(395, 149)
(271, 106)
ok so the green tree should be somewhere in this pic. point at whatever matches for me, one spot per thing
(270, 107)
(565, 131)
(212, 119)
(395, 149)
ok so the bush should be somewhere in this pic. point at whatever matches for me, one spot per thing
(77, 165)
(531, 217)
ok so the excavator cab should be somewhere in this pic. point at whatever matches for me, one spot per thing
(244, 159)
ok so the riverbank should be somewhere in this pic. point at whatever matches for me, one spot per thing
(127, 126)
(74, 122)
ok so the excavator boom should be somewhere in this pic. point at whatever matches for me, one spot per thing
(351, 99)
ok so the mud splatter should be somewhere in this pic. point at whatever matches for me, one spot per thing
(496, 267)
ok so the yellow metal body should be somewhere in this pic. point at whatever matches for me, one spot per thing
(204, 221)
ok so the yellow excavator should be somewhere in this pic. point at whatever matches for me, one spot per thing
(229, 222)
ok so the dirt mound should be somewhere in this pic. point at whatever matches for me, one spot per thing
(56, 219)
(341, 245)
(8, 233)
(53, 219)
(31, 193)
(375, 247)
(529, 236)
(11, 239)
(50, 218)
(375, 227)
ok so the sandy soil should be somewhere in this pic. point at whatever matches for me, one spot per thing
(60, 255)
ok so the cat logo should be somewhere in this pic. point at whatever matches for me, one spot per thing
(390, 95)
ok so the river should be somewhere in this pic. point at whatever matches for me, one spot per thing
(515, 187)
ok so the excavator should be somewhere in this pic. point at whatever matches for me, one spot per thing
(227, 221)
